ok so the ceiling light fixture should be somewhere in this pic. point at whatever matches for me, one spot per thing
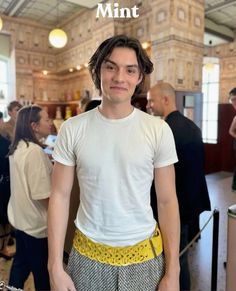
(58, 37)
(146, 45)
(209, 64)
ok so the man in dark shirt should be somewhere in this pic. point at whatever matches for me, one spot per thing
(191, 184)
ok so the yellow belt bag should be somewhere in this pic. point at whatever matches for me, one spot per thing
(119, 256)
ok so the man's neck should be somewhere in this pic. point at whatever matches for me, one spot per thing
(169, 110)
(115, 111)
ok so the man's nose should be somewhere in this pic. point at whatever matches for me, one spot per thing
(119, 75)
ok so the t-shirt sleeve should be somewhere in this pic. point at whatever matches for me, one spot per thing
(39, 171)
(165, 149)
(64, 151)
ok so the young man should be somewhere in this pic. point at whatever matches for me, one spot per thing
(116, 149)
(7, 128)
(232, 132)
(191, 184)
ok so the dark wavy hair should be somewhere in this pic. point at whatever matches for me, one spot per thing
(233, 92)
(106, 48)
(92, 104)
(23, 128)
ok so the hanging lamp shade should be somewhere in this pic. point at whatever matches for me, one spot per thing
(58, 38)
(1, 24)
(209, 66)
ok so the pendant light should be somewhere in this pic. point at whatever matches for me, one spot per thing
(1, 24)
(209, 61)
(57, 37)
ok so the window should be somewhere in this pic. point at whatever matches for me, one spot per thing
(210, 89)
(4, 86)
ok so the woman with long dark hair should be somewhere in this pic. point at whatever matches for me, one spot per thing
(30, 173)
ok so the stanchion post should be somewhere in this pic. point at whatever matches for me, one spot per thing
(231, 249)
(215, 242)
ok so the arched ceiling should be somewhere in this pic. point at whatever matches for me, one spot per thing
(220, 15)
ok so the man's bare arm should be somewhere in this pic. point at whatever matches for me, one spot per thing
(168, 217)
(58, 212)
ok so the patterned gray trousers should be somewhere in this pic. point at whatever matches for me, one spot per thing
(90, 275)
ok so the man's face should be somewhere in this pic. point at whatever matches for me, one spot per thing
(13, 112)
(232, 100)
(155, 103)
(120, 75)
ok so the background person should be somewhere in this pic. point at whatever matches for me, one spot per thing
(7, 128)
(6, 133)
(232, 132)
(30, 173)
(5, 228)
(116, 148)
(1, 118)
(191, 184)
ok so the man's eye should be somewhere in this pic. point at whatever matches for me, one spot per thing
(132, 71)
(110, 67)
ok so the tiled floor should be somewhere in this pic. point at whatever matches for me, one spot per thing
(200, 256)
(4, 274)
(219, 185)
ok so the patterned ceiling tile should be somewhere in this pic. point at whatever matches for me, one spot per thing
(43, 11)
(47, 12)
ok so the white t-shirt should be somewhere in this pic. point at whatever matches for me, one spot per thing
(30, 178)
(115, 162)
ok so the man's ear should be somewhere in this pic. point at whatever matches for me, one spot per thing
(165, 99)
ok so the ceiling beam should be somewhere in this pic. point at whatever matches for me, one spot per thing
(221, 31)
(88, 3)
(219, 6)
(15, 7)
(20, 8)
(12, 6)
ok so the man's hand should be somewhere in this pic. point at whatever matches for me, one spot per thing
(169, 283)
(61, 281)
